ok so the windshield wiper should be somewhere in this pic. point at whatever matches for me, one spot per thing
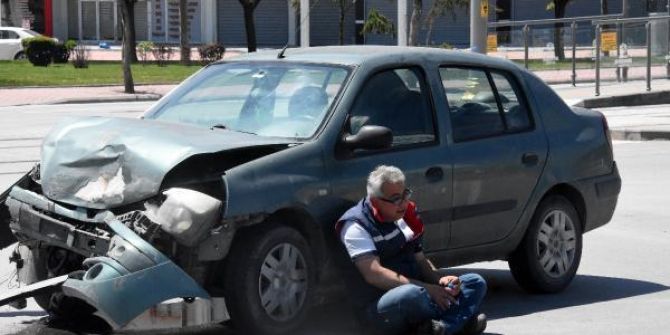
(223, 126)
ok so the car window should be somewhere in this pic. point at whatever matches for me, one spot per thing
(399, 100)
(31, 33)
(515, 111)
(11, 35)
(268, 99)
(472, 101)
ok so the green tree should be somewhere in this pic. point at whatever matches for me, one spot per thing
(377, 23)
(558, 6)
(249, 6)
(441, 8)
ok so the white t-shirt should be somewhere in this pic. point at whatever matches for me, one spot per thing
(358, 241)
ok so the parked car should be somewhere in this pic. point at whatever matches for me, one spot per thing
(10, 42)
(230, 185)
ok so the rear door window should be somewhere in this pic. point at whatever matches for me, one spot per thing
(482, 104)
(514, 110)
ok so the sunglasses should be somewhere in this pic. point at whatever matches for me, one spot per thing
(398, 198)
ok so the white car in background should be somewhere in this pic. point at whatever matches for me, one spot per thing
(10, 42)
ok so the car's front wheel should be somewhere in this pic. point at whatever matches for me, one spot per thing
(547, 258)
(269, 280)
(20, 56)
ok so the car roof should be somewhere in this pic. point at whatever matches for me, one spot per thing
(353, 55)
(13, 28)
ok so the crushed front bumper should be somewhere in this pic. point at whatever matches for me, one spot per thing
(124, 276)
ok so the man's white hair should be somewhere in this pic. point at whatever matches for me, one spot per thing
(381, 175)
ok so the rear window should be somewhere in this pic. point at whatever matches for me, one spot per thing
(483, 103)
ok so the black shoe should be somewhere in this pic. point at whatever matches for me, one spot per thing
(476, 325)
(432, 327)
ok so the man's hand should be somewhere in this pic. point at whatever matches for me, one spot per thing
(452, 283)
(441, 295)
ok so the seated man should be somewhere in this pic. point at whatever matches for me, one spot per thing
(396, 289)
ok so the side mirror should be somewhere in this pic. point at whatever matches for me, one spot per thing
(369, 138)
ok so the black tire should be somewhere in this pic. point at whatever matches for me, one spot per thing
(547, 258)
(287, 297)
(20, 56)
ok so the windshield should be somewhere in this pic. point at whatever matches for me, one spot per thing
(267, 99)
(32, 33)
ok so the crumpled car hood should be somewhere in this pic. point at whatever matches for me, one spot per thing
(102, 162)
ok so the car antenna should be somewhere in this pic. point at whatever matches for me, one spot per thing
(283, 50)
(281, 53)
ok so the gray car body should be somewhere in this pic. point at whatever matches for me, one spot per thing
(308, 183)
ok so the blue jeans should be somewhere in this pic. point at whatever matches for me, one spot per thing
(403, 307)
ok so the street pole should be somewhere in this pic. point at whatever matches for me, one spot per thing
(478, 25)
(304, 23)
(402, 23)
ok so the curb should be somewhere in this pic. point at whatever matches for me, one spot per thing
(129, 98)
(637, 99)
(639, 135)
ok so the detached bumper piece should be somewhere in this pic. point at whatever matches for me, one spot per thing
(125, 275)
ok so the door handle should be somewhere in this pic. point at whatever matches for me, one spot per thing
(529, 158)
(434, 174)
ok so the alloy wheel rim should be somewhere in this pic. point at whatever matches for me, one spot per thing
(556, 243)
(282, 283)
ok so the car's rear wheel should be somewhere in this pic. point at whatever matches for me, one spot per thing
(269, 280)
(547, 258)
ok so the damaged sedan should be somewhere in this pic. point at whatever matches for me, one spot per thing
(223, 195)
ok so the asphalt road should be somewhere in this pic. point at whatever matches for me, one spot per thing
(622, 285)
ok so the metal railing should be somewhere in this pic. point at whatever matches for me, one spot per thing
(573, 26)
(613, 44)
(598, 23)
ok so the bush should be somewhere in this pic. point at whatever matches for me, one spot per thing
(39, 50)
(80, 54)
(60, 53)
(143, 49)
(70, 45)
(162, 53)
(211, 52)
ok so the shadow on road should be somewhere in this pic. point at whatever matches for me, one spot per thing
(506, 299)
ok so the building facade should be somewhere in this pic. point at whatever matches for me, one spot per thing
(277, 21)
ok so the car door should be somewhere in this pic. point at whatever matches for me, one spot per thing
(399, 99)
(5, 45)
(498, 153)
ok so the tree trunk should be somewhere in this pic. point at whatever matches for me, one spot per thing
(559, 12)
(415, 22)
(342, 10)
(127, 51)
(184, 43)
(429, 32)
(130, 30)
(250, 26)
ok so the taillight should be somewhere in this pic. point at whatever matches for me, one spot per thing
(606, 129)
